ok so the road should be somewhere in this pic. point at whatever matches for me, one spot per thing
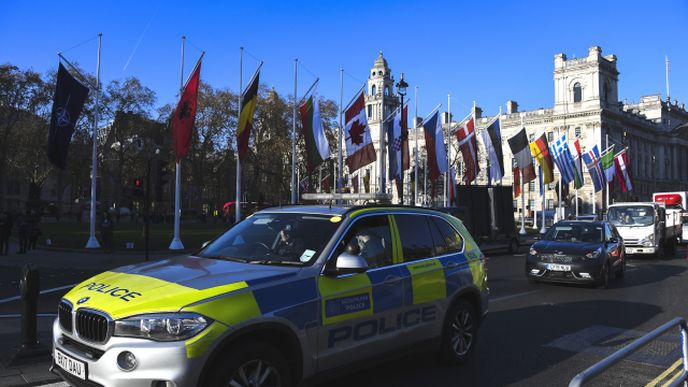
(535, 334)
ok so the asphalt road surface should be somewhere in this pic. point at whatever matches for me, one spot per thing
(535, 334)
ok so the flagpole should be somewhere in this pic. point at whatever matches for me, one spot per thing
(580, 168)
(544, 205)
(293, 133)
(608, 184)
(415, 163)
(92, 240)
(176, 243)
(446, 175)
(381, 152)
(237, 199)
(558, 214)
(522, 231)
(341, 127)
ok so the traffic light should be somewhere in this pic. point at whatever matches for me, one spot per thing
(163, 178)
(137, 187)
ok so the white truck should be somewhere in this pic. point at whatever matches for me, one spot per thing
(677, 201)
(647, 228)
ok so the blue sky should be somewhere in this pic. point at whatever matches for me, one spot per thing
(484, 51)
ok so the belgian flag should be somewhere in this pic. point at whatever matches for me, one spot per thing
(248, 106)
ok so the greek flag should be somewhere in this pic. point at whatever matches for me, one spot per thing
(565, 167)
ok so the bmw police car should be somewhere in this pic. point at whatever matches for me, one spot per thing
(280, 297)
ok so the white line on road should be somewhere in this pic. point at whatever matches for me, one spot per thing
(19, 315)
(503, 298)
(46, 291)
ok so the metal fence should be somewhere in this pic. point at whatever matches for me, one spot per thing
(623, 353)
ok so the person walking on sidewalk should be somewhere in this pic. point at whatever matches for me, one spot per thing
(24, 225)
(5, 228)
(107, 228)
(34, 231)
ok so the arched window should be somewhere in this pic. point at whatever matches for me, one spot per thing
(373, 90)
(387, 90)
(577, 92)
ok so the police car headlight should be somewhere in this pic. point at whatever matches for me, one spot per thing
(162, 327)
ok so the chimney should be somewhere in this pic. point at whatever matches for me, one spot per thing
(478, 112)
(511, 107)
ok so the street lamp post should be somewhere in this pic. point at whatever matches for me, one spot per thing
(401, 90)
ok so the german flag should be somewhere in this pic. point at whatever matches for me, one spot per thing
(540, 150)
(248, 106)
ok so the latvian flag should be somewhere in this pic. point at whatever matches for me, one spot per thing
(519, 148)
(360, 150)
(468, 145)
(623, 171)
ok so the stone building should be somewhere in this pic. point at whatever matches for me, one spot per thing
(587, 106)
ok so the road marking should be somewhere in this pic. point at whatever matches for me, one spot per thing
(503, 298)
(655, 381)
(46, 291)
(19, 315)
(673, 378)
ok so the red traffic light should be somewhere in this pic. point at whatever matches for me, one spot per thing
(137, 183)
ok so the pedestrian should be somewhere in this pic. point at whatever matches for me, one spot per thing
(107, 228)
(23, 225)
(4, 232)
(34, 231)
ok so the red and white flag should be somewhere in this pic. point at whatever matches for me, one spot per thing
(468, 146)
(360, 150)
(623, 171)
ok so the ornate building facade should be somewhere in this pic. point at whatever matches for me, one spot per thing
(586, 105)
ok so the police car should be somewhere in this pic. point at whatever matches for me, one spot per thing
(282, 296)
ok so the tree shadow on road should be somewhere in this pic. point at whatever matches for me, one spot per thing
(512, 347)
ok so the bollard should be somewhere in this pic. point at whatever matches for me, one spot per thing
(29, 286)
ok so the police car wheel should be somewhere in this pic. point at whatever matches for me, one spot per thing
(251, 364)
(459, 333)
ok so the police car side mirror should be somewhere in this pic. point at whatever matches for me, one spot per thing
(204, 244)
(350, 264)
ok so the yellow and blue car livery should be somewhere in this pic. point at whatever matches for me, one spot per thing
(316, 318)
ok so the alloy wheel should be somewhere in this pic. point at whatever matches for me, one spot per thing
(256, 373)
(462, 332)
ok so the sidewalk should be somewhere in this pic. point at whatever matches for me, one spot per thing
(33, 370)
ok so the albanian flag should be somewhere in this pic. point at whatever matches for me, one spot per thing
(185, 114)
(68, 101)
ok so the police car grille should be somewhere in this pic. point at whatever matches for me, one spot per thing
(91, 326)
(64, 314)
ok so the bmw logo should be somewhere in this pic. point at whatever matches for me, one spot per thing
(81, 301)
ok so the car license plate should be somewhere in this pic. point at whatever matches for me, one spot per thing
(71, 365)
(555, 267)
(630, 250)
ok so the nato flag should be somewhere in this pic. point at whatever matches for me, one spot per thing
(69, 99)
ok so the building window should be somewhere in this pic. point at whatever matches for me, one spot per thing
(531, 186)
(550, 204)
(373, 73)
(550, 137)
(387, 91)
(373, 91)
(531, 204)
(577, 92)
(577, 131)
(370, 110)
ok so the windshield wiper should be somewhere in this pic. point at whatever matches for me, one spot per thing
(226, 258)
(277, 262)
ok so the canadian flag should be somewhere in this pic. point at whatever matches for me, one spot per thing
(360, 150)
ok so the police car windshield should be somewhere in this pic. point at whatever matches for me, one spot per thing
(274, 239)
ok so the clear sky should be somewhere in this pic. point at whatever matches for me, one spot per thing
(479, 50)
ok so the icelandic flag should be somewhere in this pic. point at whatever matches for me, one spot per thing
(591, 159)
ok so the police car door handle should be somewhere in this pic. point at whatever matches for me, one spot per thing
(392, 280)
(452, 264)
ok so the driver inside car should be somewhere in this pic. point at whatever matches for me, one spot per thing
(289, 245)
